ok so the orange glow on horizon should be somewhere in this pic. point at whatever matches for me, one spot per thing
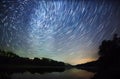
(85, 60)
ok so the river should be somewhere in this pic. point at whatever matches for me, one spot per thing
(67, 74)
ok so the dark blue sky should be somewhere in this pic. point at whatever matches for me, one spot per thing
(58, 29)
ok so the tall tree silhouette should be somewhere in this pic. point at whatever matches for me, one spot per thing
(110, 52)
(109, 61)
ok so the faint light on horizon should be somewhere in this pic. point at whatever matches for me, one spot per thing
(82, 61)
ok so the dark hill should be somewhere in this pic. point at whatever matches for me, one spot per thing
(11, 63)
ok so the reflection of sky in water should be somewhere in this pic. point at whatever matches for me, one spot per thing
(68, 74)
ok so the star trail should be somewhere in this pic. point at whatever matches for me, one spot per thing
(58, 29)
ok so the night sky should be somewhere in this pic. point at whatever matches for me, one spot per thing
(64, 30)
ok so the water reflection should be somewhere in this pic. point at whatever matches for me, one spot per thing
(67, 74)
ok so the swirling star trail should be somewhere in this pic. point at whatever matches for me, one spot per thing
(58, 29)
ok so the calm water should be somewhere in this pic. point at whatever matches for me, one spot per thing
(67, 74)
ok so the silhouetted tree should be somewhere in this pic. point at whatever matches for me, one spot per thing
(109, 61)
(9, 58)
(110, 52)
(7, 54)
